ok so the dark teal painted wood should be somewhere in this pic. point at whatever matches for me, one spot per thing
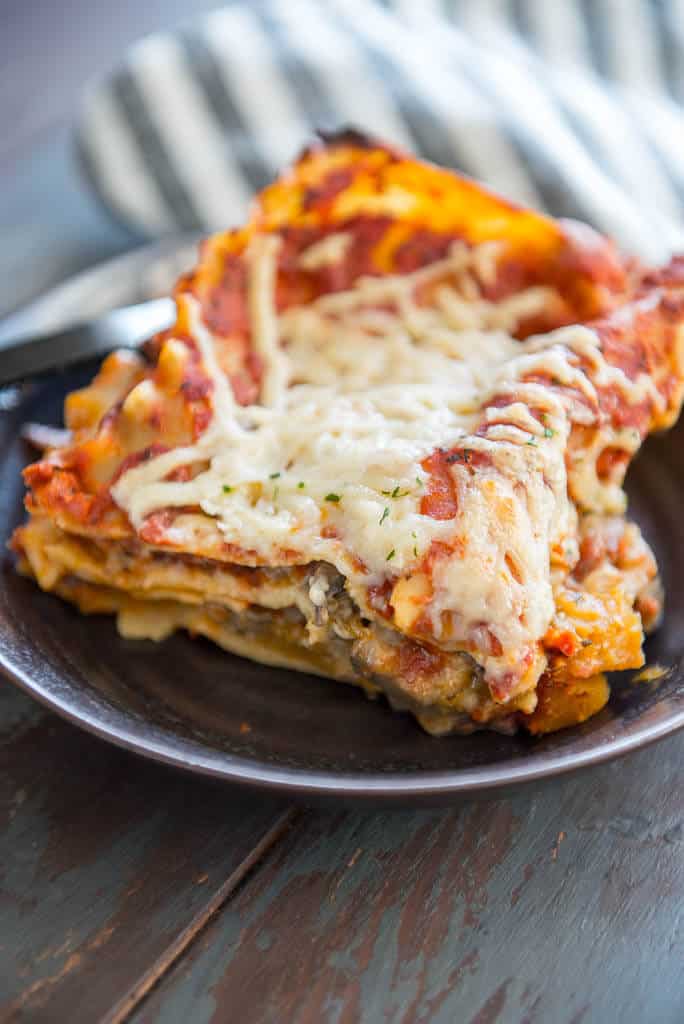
(104, 860)
(555, 907)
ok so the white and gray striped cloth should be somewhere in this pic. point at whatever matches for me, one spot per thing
(573, 106)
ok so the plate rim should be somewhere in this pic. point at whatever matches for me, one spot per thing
(304, 782)
(296, 782)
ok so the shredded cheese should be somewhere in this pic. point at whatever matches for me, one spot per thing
(358, 389)
(261, 256)
(329, 249)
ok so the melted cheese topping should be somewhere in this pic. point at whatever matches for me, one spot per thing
(329, 249)
(265, 333)
(358, 389)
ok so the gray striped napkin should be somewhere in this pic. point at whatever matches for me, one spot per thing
(567, 105)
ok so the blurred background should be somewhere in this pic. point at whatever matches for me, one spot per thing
(569, 105)
(49, 50)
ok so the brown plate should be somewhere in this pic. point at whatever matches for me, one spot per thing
(187, 703)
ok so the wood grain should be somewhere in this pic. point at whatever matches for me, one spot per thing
(557, 905)
(110, 866)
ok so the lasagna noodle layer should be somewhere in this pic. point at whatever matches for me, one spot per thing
(392, 378)
(301, 617)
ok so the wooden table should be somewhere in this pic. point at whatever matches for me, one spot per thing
(130, 892)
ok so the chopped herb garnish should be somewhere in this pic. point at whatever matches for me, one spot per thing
(419, 481)
(386, 493)
(227, 489)
(273, 476)
(395, 492)
(384, 515)
(548, 432)
(275, 494)
(415, 551)
(391, 555)
(532, 442)
(301, 484)
(332, 497)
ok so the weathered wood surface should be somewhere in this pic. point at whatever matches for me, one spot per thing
(557, 905)
(109, 866)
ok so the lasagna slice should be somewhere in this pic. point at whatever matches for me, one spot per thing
(384, 442)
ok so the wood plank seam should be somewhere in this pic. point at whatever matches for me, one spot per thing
(172, 955)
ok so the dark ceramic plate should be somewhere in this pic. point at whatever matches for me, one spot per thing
(189, 704)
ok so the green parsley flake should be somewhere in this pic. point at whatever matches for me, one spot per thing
(548, 432)
(419, 481)
(227, 489)
(332, 497)
(273, 476)
(391, 555)
(301, 484)
(384, 515)
(532, 442)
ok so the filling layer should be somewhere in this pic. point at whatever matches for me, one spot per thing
(304, 617)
